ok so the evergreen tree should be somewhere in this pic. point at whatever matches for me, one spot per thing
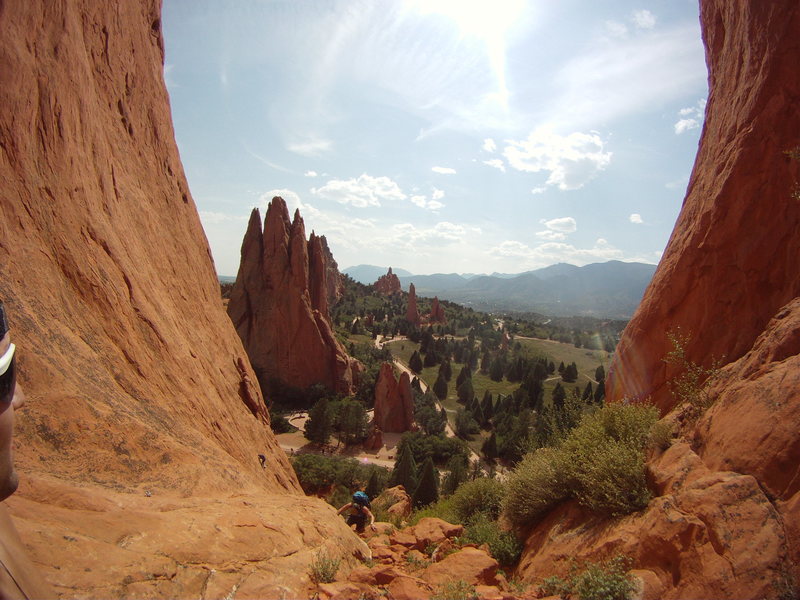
(465, 391)
(405, 469)
(373, 486)
(599, 374)
(561, 368)
(465, 424)
(465, 373)
(600, 392)
(351, 422)
(319, 425)
(588, 393)
(457, 475)
(446, 370)
(570, 373)
(559, 395)
(427, 491)
(431, 359)
(551, 367)
(415, 363)
(486, 360)
(489, 447)
(440, 387)
(496, 369)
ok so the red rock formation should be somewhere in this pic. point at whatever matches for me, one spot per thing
(333, 278)
(412, 313)
(437, 312)
(279, 306)
(394, 401)
(731, 262)
(388, 285)
(724, 520)
(136, 380)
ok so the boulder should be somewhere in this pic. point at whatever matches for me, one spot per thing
(471, 565)
(395, 501)
(731, 262)
(279, 306)
(431, 531)
(394, 401)
(375, 440)
(388, 285)
(412, 312)
(409, 588)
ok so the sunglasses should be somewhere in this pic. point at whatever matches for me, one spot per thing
(8, 376)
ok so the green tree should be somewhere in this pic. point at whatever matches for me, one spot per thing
(489, 447)
(440, 387)
(570, 373)
(559, 395)
(351, 421)
(600, 392)
(588, 393)
(496, 369)
(446, 370)
(599, 374)
(405, 469)
(427, 491)
(465, 391)
(465, 424)
(457, 474)
(373, 486)
(319, 425)
(415, 363)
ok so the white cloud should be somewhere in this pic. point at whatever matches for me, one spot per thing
(644, 19)
(496, 163)
(437, 194)
(636, 218)
(616, 29)
(432, 205)
(310, 147)
(539, 190)
(571, 160)
(293, 203)
(310, 173)
(553, 252)
(362, 192)
(692, 117)
(562, 224)
(548, 234)
(443, 170)
(420, 201)
(489, 145)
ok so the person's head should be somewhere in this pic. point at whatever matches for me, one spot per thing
(11, 399)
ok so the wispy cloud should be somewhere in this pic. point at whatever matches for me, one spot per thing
(570, 160)
(266, 161)
(443, 170)
(496, 163)
(644, 19)
(310, 147)
(310, 173)
(690, 117)
(361, 192)
(636, 218)
(552, 252)
(489, 145)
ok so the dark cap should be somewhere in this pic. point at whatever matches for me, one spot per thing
(3, 321)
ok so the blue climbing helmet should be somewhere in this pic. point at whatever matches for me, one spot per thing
(361, 499)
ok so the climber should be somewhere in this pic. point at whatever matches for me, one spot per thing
(360, 511)
(18, 576)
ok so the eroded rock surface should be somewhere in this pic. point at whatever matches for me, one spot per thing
(412, 311)
(388, 285)
(437, 312)
(394, 401)
(279, 306)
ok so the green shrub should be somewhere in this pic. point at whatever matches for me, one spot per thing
(443, 509)
(607, 580)
(482, 495)
(601, 463)
(693, 381)
(503, 545)
(323, 568)
(455, 590)
(537, 484)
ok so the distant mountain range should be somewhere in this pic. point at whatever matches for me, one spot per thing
(611, 290)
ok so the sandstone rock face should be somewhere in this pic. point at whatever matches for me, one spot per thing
(412, 312)
(279, 306)
(136, 380)
(333, 278)
(724, 519)
(437, 312)
(389, 284)
(394, 401)
(395, 500)
(731, 262)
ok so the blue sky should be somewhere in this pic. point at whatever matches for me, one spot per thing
(466, 136)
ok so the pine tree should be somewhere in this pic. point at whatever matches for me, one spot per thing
(496, 369)
(373, 486)
(486, 360)
(465, 391)
(561, 367)
(559, 395)
(446, 370)
(457, 475)
(600, 392)
(588, 393)
(405, 469)
(489, 447)
(427, 491)
(440, 387)
(599, 374)
(319, 425)
(415, 363)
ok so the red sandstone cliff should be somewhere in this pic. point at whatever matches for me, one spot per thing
(412, 312)
(389, 284)
(394, 401)
(279, 306)
(437, 312)
(136, 380)
(724, 520)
